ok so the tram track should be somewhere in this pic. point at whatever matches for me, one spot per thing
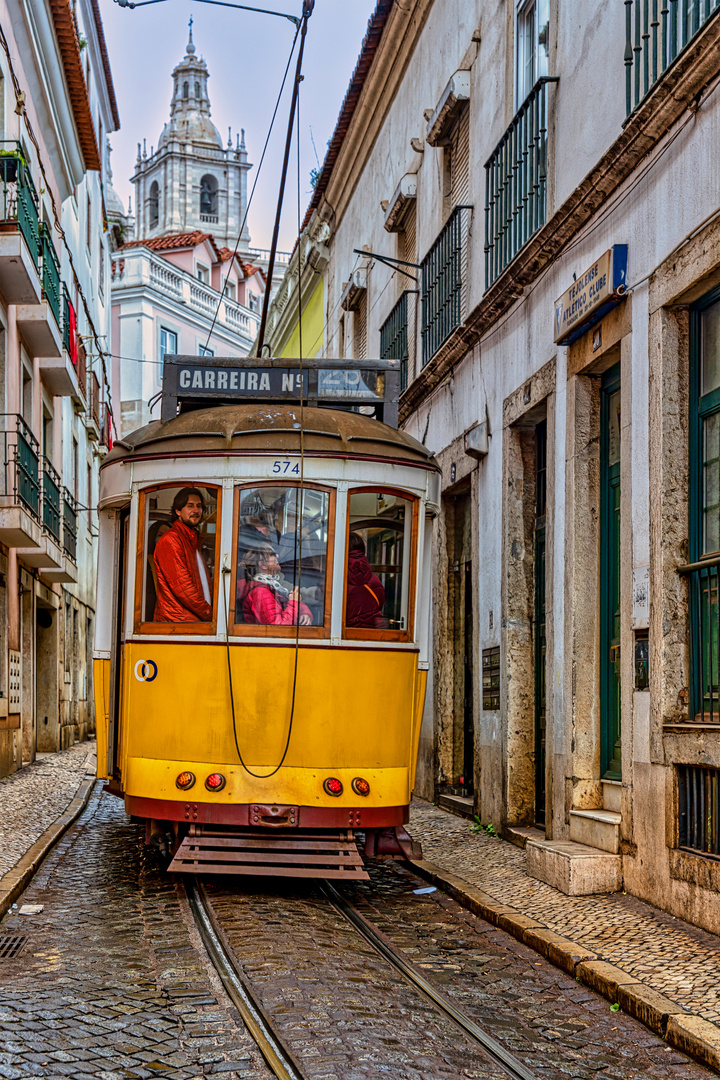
(261, 1025)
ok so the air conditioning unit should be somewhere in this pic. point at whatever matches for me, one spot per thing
(355, 287)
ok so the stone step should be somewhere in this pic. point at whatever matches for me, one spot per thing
(596, 828)
(457, 804)
(574, 869)
(612, 794)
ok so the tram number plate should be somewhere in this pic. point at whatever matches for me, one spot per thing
(291, 468)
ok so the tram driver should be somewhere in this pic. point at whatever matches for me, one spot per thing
(184, 592)
(269, 599)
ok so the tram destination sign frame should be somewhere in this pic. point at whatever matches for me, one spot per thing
(191, 382)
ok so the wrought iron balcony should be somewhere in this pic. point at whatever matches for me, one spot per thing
(18, 198)
(516, 183)
(443, 279)
(394, 335)
(50, 272)
(656, 31)
(51, 499)
(69, 524)
(21, 464)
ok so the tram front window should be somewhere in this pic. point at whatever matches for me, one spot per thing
(378, 574)
(179, 526)
(282, 546)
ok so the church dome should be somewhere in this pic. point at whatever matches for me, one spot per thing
(190, 106)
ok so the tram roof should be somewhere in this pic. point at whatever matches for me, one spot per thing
(271, 428)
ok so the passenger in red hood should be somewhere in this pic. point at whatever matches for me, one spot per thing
(365, 594)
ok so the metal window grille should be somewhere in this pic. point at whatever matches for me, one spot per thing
(50, 272)
(18, 198)
(699, 809)
(442, 282)
(69, 525)
(51, 499)
(516, 183)
(394, 344)
(656, 31)
(705, 641)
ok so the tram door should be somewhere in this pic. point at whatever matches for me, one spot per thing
(119, 601)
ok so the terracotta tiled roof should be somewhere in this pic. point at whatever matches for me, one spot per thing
(77, 91)
(106, 63)
(225, 254)
(175, 242)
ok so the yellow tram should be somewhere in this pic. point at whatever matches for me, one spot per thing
(260, 718)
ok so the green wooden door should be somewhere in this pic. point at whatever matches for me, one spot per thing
(611, 767)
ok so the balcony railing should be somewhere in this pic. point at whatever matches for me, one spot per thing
(394, 336)
(516, 183)
(81, 369)
(443, 282)
(699, 809)
(69, 537)
(656, 31)
(21, 474)
(50, 272)
(19, 201)
(51, 499)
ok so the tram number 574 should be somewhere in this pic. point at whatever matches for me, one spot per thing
(286, 467)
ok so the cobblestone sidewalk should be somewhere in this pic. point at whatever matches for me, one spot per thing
(672, 957)
(34, 797)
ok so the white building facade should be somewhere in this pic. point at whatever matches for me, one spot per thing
(490, 162)
(58, 106)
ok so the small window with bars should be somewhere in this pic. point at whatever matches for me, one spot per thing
(699, 809)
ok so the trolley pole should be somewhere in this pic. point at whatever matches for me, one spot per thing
(308, 6)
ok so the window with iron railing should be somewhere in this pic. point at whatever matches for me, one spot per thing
(516, 183)
(18, 198)
(699, 809)
(395, 336)
(656, 32)
(50, 272)
(51, 499)
(703, 572)
(69, 538)
(443, 282)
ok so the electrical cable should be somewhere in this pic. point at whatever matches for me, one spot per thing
(268, 284)
(298, 539)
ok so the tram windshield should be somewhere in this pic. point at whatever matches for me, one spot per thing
(282, 545)
(179, 532)
(378, 572)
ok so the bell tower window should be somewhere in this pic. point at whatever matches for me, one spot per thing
(197, 90)
(154, 204)
(209, 199)
(186, 90)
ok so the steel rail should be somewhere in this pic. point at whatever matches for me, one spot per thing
(257, 1023)
(494, 1049)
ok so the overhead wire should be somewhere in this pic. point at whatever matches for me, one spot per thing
(268, 284)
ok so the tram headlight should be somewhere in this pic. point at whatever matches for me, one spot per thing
(185, 780)
(215, 781)
(333, 786)
(360, 786)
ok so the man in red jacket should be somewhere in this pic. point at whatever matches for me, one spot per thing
(184, 592)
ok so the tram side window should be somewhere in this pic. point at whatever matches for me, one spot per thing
(179, 542)
(282, 547)
(378, 570)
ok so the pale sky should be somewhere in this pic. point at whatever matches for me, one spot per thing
(246, 55)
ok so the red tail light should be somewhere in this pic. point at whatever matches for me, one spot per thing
(333, 786)
(360, 786)
(215, 782)
(185, 780)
